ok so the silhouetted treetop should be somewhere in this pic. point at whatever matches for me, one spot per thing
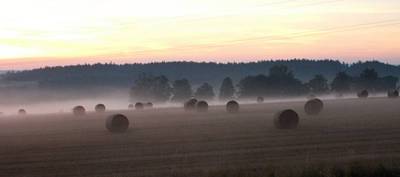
(109, 74)
(341, 83)
(181, 91)
(151, 88)
(318, 85)
(227, 89)
(205, 92)
(279, 82)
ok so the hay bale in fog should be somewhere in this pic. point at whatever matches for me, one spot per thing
(117, 123)
(286, 119)
(190, 105)
(79, 111)
(313, 106)
(139, 106)
(130, 106)
(393, 93)
(202, 106)
(149, 105)
(99, 108)
(21, 112)
(363, 94)
(260, 99)
(232, 106)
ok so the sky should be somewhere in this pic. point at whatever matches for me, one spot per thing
(62, 32)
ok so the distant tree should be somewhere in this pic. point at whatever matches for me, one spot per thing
(96, 77)
(341, 83)
(280, 72)
(227, 89)
(281, 82)
(318, 85)
(253, 86)
(123, 75)
(368, 79)
(205, 92)
(388, 83)
(150, 88)
(369, 74)
(182, 90)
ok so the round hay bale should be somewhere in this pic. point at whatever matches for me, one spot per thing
(117, 123)
(149, 105)
(79, 111)
(393, 93)
(202, 106)
(232, 106)
(139, 106)
(286, 119)
(190, 105)
(21, 112)
(130, 106)
(260, 99)
(363, 94)
(100, 108)
(313, 106)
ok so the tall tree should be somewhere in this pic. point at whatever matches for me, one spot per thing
(182, 90)
(368, 79)
(205, 92)
(318, 85)
(253, 86)
(341, 83)
(388, 83)
(227, 89)
(150, 88)
(281, 82)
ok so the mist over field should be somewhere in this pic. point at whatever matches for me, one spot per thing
(350, 133)
(33, 91)
(200, 88)
(257, 125)
(118, 99)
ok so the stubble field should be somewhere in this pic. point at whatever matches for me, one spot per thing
(172, 142)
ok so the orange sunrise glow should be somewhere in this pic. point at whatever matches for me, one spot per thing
(52, 32)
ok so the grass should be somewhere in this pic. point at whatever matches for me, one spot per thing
(351, 137)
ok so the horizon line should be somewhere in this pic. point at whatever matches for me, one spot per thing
(200, 62)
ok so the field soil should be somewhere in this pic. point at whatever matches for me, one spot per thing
(170, 141)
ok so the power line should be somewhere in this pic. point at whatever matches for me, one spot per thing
(260, 6)
(325, 31)
(329, 30)
(299, 35)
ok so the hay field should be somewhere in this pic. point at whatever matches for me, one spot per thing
(170, 141)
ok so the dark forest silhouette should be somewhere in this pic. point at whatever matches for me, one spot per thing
(179, 81)
(280, 82)
(94, 75)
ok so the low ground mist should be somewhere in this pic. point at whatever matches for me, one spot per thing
(62, 101)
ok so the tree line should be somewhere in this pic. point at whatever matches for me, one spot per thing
(123, 75)
(279, 82)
